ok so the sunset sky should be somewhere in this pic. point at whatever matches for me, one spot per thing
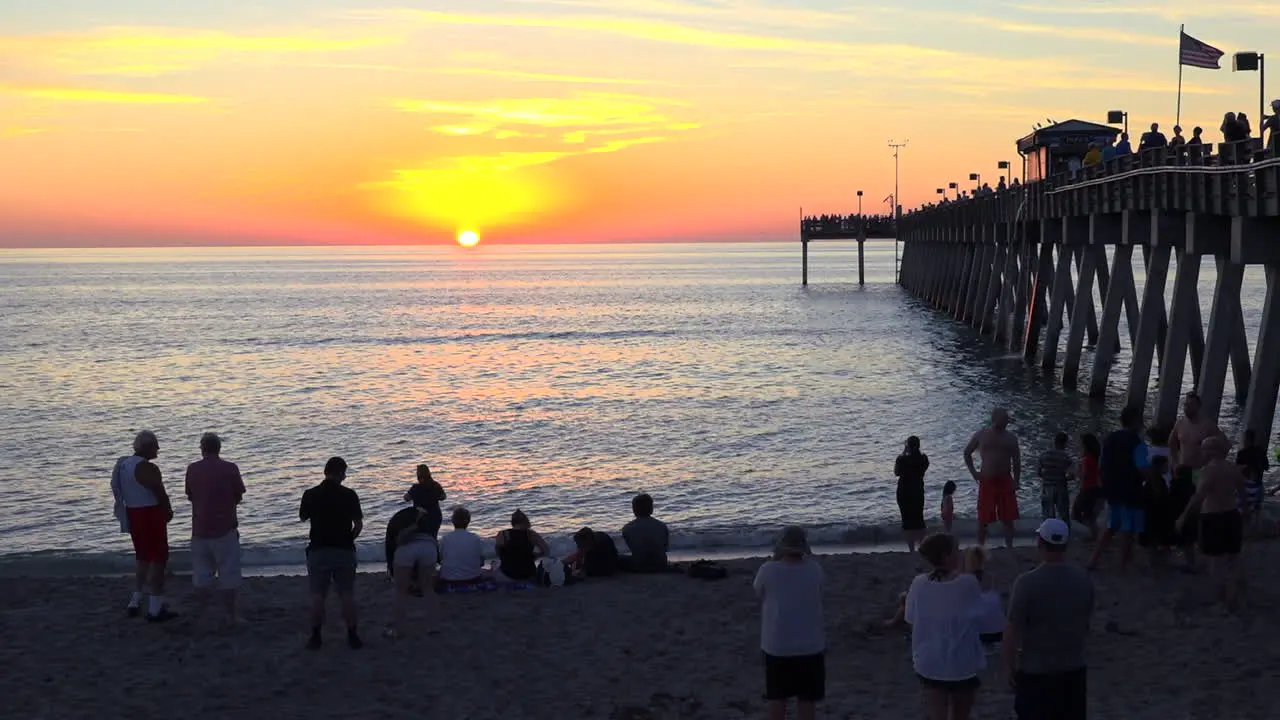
(142, 122)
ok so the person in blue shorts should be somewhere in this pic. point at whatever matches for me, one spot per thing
(1124, 466)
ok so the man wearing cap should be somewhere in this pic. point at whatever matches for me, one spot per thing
(1044, 638)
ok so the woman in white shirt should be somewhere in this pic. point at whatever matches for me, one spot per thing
(943, 607)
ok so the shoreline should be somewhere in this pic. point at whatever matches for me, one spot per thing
(636, 647)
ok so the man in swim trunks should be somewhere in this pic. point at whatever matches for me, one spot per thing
(1000, 475)
(142, 506)
(1189, 433)
(1218, 499)
(1125, 465)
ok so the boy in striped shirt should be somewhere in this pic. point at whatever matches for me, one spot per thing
(1054, 469)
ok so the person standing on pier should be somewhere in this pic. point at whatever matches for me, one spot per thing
(1000, 475)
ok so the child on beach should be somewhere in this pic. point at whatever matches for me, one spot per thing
(1054, 469)
(792, 632)
(991, 614)
(1089, 499)
(426, 495)
(948, 505)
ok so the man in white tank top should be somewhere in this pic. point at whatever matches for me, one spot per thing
(143, 509)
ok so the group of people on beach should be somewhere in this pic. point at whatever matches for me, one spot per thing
(1173, 488)
(420, 561)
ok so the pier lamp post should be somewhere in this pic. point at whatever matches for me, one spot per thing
(1007, 167)
(859, 204)
(976, 177)
(1249, 61)
(942, 192)
(1118, 117)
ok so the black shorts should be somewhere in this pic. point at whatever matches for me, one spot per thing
(1060, 696)
(951, 686)
(803, 677)
(1221, 533)
(991, 638)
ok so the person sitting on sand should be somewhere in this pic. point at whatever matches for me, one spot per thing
(910, 468)
(427, 494)
(1050, 608)
(416, 554)
(792, 634)
(518, 549)
(461, 552)
(991, 610)
(946, 652)
(336, 521)
(596, 555)
(142, 506)
(1125, 464)
(1089, 499)
(1000, 476)
(1218, 499)
(646, 537)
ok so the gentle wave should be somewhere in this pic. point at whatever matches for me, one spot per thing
(583, 335)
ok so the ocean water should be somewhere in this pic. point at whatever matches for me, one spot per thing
(559, 380)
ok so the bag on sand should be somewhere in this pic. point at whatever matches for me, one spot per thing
(551, 573)
(707, 570)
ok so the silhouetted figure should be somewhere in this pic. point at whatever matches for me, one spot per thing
(1177, 140)
(1152, 139)
(1231, 130)
(1196, 132)
(1123, 147)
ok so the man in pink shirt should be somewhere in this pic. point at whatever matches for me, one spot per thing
(215, 489)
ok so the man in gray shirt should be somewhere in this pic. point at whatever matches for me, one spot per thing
(1048, 621)
(646, 537)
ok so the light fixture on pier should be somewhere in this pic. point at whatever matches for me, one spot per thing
(859, 203)
(976, 177)
(1250, 61)
(1007, 166)
(1118, 117)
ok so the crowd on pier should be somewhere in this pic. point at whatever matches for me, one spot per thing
(876, 225)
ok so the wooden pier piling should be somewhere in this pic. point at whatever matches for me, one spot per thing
(1023, 267)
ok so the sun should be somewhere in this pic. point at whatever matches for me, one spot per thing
(468, 238)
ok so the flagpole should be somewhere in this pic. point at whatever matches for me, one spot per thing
(1181, 31)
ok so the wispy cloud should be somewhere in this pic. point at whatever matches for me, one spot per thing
(146, 51)
(497, 73)
(88, 95)
(1089, 33)
(734, 12)
(1171, 10)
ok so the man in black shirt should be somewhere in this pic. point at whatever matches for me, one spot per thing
(336, 522)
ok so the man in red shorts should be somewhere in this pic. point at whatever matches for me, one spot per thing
(143, 509)
(1000, 475)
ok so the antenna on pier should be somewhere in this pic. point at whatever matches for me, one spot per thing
(897, 203)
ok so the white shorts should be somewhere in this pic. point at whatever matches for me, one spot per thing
(418, 551)
(216, 557)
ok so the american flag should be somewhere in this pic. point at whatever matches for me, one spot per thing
(1198, 54)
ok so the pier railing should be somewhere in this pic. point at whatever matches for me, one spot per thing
(1021, 267)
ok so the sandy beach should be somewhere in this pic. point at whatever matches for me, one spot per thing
(631, 647)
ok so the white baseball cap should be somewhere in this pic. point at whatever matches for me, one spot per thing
(1054, 531)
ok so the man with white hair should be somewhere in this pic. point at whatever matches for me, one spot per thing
(215, 488)
(144, 511)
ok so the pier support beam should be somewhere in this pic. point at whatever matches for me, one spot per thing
(1119, 288)
(804, 261)
(862, 265)
(1103, 230)
(1260, 409)
(1223, 321)
(1037, 307)
(1149, 322)
(1183, 312)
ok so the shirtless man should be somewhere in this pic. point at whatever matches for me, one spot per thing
(1000, 476)
(1189, 433)
(1218, 498)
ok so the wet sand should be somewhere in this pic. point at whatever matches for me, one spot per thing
(625, 648)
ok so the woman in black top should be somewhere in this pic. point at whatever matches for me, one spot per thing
(518, 550)
(910, 468)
